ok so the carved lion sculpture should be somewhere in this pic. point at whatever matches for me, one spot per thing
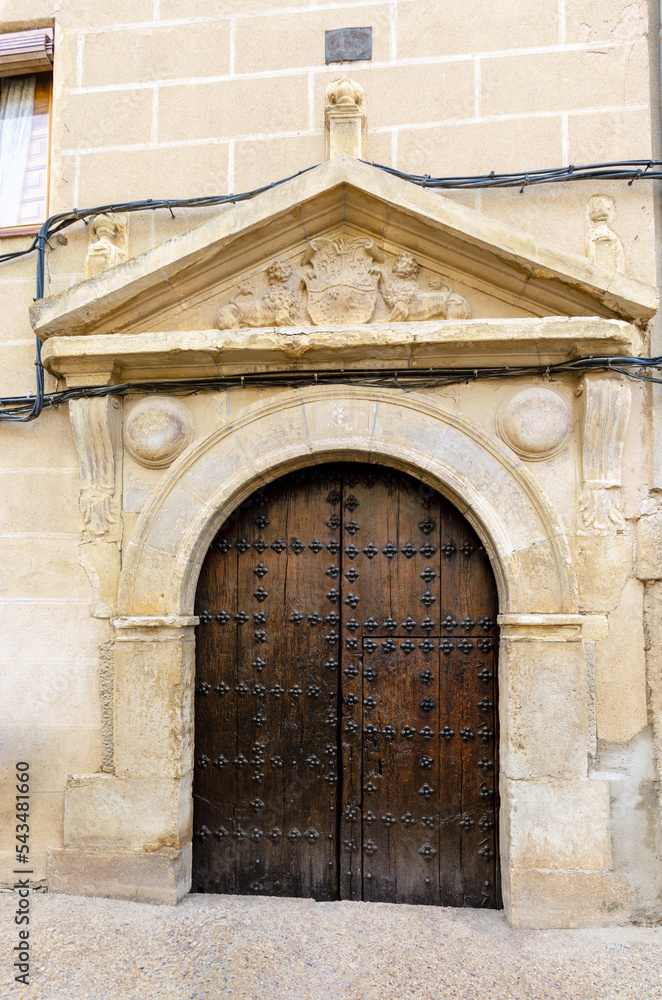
(279, 306)
(408, 301)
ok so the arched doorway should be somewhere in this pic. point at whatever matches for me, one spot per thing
(346, 743)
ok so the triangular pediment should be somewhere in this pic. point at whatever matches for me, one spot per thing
(344, 243)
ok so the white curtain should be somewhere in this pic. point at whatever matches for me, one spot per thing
(16, 109)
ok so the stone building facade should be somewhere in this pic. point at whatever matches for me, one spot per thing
(110, 503)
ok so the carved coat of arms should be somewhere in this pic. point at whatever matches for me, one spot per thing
(341, 279)
(344, 285)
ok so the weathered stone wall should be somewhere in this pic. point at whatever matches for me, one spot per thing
(179, 98)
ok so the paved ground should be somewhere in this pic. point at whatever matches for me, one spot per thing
(262, 949)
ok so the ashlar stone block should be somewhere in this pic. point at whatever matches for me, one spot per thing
(649, 546)
(431, 29)
(161, 877)
(557, 824)
(620, 670)
(543, 709)
(154, 703)
(540, 900)
(135, 55)
(103, 812)
(602, 565)
(603, 78)
(233, 108)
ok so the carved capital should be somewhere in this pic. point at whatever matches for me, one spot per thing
(95, 427)
(108, 243)
(526, 627)
(606, 413)
(345, 119)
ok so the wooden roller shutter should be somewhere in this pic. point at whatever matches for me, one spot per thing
(24, 52)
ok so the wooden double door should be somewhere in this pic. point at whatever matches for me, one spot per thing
(346, 743)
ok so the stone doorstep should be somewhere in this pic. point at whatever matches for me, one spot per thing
(544, 899)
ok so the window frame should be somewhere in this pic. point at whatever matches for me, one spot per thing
(6, 73)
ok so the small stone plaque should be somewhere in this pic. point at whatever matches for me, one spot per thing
(345, 44)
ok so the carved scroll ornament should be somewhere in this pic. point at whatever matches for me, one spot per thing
(606, 412)
(340, 281)
(91, 422)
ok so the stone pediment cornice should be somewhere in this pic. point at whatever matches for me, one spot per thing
(344, 243)
(106, 358)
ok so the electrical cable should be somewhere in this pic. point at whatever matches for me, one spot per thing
(407, 380)
(630, 170)
(26, 408)
(56, 223)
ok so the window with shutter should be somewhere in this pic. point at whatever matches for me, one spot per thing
(25, 115)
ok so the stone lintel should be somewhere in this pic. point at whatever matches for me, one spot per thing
(411, 345)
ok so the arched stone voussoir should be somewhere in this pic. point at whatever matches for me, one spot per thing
(267, 439)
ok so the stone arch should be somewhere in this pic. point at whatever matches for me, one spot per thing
(140, 844)
(265, 440)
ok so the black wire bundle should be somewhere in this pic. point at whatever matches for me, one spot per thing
(618, 170)
(408, 380)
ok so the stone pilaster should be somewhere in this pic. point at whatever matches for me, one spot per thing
(555, 846)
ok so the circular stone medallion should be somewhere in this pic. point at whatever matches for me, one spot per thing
(157, 430)
(535, 422)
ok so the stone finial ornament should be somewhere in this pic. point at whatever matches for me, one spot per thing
(345, 119)
(108, 243)
(606, 413)
(602, 244)
(345, 91)
(408, 301)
